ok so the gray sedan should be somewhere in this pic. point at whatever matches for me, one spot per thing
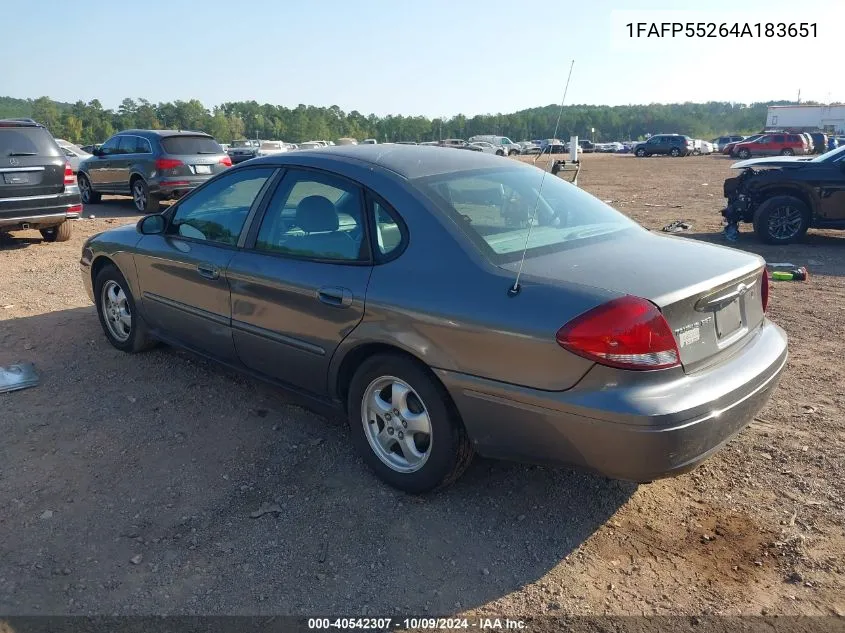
(382, 282)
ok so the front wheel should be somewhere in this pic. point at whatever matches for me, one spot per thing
(405, 425)
(781, 220)
(86, 192)
(144, 201)
(118, 313)
(743, 154)
(513, 152)
(641, 153)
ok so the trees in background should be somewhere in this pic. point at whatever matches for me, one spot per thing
(85, 123)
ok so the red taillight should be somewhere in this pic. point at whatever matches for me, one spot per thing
(167, 163)
(764, 289)
(74, 209)
(629, 333)
(226, 161)
(69, 179)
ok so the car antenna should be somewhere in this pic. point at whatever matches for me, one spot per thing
(514, 290)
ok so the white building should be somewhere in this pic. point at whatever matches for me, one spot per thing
(807, 118)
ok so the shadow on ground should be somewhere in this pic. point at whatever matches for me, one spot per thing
(129, 485)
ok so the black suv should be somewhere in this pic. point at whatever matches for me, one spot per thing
(37, 186)
(666, 144)
(784, 196)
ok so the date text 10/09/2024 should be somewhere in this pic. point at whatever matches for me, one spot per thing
(722, 30)
(434, 624)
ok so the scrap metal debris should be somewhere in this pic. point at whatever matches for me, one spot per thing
(677, 226)
(15, 377)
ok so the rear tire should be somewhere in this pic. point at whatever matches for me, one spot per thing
(445, 451)
(115, 307)
(144, 201)
(787, 152)
(513, 152)
(674, 152)
(60, 233)
(781, 220)
(88, 195)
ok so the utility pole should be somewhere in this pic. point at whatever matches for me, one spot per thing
(799, 96)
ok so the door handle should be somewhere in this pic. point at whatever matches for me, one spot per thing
(208, 271)
(335, 296)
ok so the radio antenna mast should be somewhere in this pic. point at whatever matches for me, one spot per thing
(514, 290)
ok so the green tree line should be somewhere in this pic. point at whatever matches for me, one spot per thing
(90, 122)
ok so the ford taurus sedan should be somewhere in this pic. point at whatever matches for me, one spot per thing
(451, 303)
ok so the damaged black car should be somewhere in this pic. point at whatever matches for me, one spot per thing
(783, 196)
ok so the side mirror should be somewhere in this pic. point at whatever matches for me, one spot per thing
(152, 225)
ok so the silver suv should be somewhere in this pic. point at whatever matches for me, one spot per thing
(151, 166)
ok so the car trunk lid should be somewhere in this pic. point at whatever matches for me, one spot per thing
(710, 295)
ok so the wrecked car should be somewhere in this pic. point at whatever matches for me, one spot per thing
(784, 196)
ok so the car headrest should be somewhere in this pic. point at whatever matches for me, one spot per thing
(316, 214)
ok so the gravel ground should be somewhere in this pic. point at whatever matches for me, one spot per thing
(132, 484)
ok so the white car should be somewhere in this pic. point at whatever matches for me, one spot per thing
(269, 148)
(74, 153)
(487, 148)
(700, 147)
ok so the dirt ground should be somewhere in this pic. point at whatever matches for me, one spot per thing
(128, 483)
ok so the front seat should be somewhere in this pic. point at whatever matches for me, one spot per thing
(318, 219)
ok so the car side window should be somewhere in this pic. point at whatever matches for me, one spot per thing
(127, 144)
(142, 146)
(387, 229)
(315, 216)
(217, 212)
(779, 138)
(110, 147)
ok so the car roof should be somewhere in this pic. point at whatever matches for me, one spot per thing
(409, 161)
(164, 133)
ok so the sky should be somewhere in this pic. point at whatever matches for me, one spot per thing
(429, 57)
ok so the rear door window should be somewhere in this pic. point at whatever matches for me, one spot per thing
(778, 138)
(191, 145)
(27, 141)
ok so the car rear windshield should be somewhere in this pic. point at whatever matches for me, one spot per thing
(191, 145)
(27, 141)
(494, 208)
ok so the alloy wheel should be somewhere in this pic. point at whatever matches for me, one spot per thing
(139, 195)
(396, 424)
(785, 222)
(116, 312)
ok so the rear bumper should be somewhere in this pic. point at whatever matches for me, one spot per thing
(177, 186)
(664, 426)
(40, 211)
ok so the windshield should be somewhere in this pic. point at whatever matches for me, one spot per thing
(494, 207)
(830, 157)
